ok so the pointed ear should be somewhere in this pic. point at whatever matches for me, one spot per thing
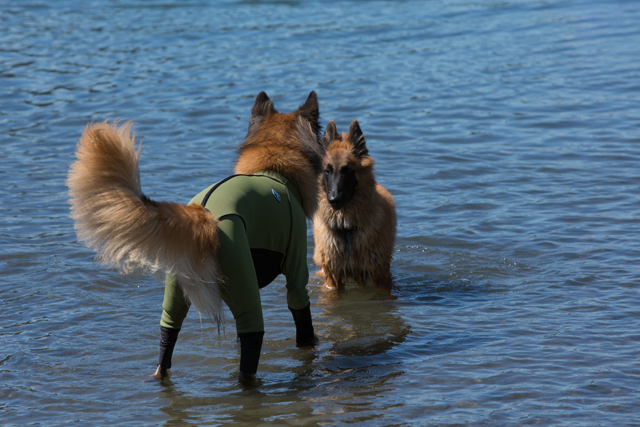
(330, 134)
(357, 139)
(262, 108)
(311, 112)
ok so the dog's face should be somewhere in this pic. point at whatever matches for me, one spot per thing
(346, 157)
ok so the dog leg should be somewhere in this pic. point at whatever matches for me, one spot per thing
(168, 338)
(305, 335)
(330, 280)
(250, 347)
(384, 279)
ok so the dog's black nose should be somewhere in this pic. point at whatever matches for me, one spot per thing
(335, 201)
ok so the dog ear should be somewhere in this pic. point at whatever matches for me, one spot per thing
(330, 134)
(262, 108)
(311, 113)
(357, 140)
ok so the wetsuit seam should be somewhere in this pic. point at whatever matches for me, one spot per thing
(222, 217)
(217, 185)
(286, 251)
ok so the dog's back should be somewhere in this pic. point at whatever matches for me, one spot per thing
(355, 225)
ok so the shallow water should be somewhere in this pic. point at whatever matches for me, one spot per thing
(507, 132)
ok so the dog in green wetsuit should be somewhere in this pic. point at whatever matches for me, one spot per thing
(233, 238)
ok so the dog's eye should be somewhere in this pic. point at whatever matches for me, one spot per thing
(328, 170)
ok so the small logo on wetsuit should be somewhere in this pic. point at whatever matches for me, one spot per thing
(276, 195)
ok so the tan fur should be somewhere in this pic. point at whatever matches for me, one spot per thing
(356, 242)
(286, 156)
(129, 231)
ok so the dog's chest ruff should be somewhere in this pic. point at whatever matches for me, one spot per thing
(345, 239)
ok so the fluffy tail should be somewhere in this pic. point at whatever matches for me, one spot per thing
(130, 231)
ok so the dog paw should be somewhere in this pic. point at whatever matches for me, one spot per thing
(161, 373)
(310, 342)
(247, 378)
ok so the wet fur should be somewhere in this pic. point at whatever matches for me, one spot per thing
(129, 231)
(355, 225)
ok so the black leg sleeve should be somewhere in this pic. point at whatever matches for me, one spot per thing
(304, 327)
(250, 347)
(168, 338)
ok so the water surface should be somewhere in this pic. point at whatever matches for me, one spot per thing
(506, 131)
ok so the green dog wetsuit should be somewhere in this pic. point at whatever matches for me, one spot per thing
(263, 232)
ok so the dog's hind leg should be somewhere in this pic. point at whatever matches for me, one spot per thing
(174, 311)
(241, 293)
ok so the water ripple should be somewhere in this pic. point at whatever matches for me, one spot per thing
(506, 131)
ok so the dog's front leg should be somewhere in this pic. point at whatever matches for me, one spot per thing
(305, 335)
(250, 347)
(330, 279)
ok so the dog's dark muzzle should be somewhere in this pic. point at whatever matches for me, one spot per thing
(336, 201)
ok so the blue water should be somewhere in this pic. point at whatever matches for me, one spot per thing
(507, 131)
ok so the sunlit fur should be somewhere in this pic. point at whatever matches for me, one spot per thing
(355, 242)
(129, 231)
(287, 144)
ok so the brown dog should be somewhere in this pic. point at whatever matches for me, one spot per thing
(355, 224)
(223, 246)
